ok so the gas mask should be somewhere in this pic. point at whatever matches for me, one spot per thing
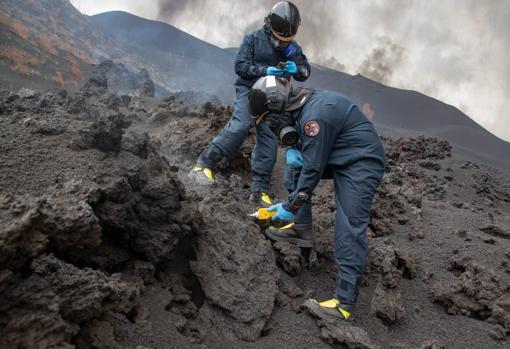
(278, 45)
(273, 101)
(283, 124)
(283, 127)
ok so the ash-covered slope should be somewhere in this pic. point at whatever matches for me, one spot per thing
(105, 244)
(175, 59)
(50, 43)
(47, 43)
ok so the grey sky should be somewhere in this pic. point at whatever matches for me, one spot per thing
(453, 50)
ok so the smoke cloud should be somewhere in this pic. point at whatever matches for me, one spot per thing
(451, 50)
(381, 62)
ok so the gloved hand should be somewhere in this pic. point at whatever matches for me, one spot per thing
(281, 213)
(294, 158)
(290, 67)
(274, 71)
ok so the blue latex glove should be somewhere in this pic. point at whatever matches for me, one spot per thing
(274, 71)
(281, 213)
(290, 67)
(294, 158)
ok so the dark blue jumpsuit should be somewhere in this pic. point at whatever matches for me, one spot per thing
(348, 149)
(255, 55)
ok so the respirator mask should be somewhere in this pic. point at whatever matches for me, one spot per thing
(267, 101)
(283, 127)
(278, 45)
(273, 101)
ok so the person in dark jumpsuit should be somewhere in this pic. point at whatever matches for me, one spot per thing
(259, 55)
(334, 140)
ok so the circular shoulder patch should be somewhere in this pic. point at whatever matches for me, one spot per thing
(312, 128)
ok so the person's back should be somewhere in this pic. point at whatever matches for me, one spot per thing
(336, 141)
(355, 136)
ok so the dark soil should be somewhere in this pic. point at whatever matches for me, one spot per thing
(104, 243)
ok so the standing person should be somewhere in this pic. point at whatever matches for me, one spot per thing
(334, 140)
(259, 55)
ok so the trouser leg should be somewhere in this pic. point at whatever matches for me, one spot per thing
(355, 188)
(232, 136)
(230, 139)
(263, 158)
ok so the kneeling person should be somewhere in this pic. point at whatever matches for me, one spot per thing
(333, 139)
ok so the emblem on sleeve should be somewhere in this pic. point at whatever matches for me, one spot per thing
(312, 128)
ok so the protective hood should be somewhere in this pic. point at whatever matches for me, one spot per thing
(298, 98)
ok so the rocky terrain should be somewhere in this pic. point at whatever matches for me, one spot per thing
(104, 243)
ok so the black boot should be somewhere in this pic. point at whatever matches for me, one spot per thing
(297, 234)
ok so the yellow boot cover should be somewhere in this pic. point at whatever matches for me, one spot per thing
(333, 303)
(207, 172)
(265, 198)
(288, 226)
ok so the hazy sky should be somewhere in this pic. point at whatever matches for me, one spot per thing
(453, 50)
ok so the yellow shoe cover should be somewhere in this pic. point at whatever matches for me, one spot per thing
(202, 175)
(265, 198)
(330, 308)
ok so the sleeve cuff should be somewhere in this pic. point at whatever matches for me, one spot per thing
(287, 207)
(303, 71)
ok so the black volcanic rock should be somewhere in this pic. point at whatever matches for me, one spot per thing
(120, 80)
(98, 76)
(30, 225)
(236, 268)
(347, 336)
(104, 134)
(49, 306)
(478, 292)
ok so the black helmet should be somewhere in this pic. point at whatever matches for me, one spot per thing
(269, 93)
(284, 20)
(268, 98)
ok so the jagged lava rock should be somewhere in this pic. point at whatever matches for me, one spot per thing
(236, 267)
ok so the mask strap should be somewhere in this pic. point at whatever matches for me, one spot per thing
(259, 119)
